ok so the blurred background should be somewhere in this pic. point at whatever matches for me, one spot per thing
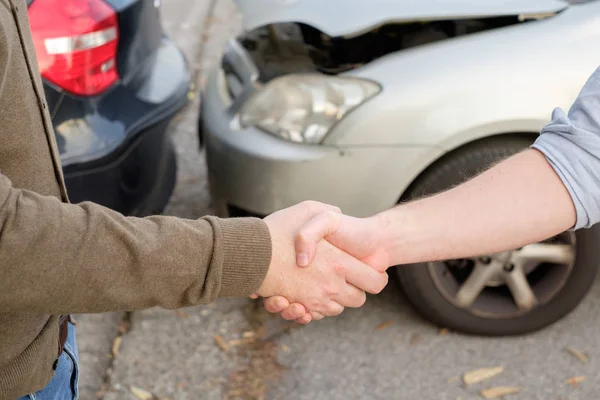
(195, 107)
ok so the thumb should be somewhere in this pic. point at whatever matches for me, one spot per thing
(344, 232)
(312, 232)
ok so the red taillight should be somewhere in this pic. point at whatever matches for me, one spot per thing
(76, 44)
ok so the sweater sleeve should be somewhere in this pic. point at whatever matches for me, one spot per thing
(571, 144)
(59, 258)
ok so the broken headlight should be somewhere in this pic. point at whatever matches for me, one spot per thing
(304, 108)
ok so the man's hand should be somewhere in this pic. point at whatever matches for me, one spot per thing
(360, 237)
(335, 279)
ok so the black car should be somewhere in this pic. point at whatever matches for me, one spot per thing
(113, 82)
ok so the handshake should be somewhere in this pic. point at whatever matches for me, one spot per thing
(322, 262)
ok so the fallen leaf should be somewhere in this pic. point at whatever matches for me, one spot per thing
(181, 314)
(237, 342)
(221, 342)
(575, 381)
(497, 392)
(384, 325)
(443, 332)
(415, 338)
(285, 348)
(141, 394)
(481, 374)
(116, 345)
(249, 334)
(577, 354)
(181, 385)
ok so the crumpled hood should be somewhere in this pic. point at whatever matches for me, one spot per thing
(352, 17)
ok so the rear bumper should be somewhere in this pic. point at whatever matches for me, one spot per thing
(116, 148)
(137, 180)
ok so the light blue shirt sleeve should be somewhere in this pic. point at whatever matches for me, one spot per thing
(571, 144)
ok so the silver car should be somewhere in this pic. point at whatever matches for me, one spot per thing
(367, 104)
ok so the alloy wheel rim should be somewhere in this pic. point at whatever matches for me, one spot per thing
(510, 283)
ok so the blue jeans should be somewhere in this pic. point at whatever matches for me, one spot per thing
(63, 385)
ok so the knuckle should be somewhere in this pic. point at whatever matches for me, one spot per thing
(336, 209)
(310, 204)
(330, 290)
(339, 269)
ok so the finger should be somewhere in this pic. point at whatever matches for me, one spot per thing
(276, 304)
(254, 296)
(318, 228)
(333, 308)
(293, 312)
(352, 297)
(305, 319)
(363, 276)
(296, 310)
(316, 316)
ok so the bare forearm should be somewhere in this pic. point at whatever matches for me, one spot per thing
(519, 201)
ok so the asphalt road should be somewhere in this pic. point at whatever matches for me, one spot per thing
(382, 351)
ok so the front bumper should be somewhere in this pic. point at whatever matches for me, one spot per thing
(254, 173)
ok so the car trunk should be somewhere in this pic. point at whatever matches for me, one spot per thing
(140, 36)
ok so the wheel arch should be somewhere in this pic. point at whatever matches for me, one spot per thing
(434, 161)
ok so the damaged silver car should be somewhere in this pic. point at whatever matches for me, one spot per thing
(367, 104)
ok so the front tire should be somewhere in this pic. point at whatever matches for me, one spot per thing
(561, 287)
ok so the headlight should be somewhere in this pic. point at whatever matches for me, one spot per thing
(304, 108)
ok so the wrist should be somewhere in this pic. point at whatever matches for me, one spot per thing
(383, 224)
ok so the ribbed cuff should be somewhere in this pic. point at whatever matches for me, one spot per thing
(246, 250)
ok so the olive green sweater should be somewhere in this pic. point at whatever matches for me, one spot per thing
(57, 258)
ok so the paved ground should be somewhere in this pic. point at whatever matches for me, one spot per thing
(233, 350)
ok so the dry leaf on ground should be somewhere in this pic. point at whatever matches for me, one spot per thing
(575, 380)
(578, 354)
(481, 374)
(181, 314)
(248, 334)
(443, 332)
(141, 394)
(384, 325)
(116, 345)
(221, 342)
(498, 392)
(237, 342)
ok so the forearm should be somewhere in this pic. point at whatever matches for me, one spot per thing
(62, 258)
(519, 201)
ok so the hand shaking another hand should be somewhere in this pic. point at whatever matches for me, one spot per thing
(344, 256)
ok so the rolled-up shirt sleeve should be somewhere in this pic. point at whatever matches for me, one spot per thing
(571, 144)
